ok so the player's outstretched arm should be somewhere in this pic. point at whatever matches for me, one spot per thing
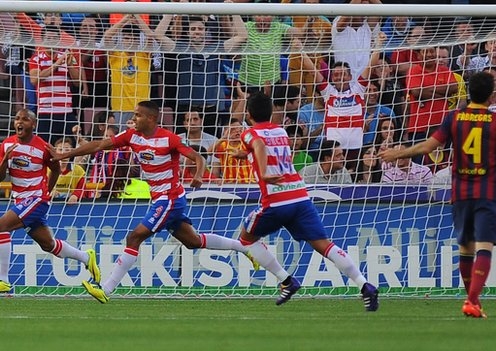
(86, 149)
(391, 155)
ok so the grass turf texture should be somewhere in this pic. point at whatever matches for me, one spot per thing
(241, 324)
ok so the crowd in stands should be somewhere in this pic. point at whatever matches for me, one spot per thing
(344, 88)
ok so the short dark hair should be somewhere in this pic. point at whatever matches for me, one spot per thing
(294, 129)
(259, 107)
(151, 106)
(327, 148)
(283, 93)
(64, 140)
(192, 19)
(130, 29)
(341, 64)
(481, 87)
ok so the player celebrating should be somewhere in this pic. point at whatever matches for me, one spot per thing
(471, 131)
(27, 158)
(285, 203)
(158, 151)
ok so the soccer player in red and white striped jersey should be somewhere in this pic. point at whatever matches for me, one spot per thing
(158, 151)
(285, 203)
(27, 159)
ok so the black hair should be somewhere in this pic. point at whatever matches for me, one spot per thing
(151, 106)
(283, 93)
(481, 87)
(327, 148)
(259, 106)
(63, 141)
(130, 29)
(294, 129)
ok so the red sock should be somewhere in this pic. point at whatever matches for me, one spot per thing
(466, 263)
(480, 271)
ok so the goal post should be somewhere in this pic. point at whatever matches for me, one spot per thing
(399, 231)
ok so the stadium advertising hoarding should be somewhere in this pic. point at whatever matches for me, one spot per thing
(403, 245)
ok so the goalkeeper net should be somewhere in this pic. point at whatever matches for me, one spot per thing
(344, 73)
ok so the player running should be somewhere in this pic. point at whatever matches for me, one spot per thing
(26, 157)
(285, 203)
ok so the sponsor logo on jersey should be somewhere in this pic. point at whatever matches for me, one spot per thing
(146, 156)
(21, 162)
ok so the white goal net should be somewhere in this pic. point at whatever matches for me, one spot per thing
(360, 75)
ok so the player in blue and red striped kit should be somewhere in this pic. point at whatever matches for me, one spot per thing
(471, 131)
(285, 203)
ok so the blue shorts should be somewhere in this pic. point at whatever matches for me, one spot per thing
(32, 212)
(300, 219)
(168, 214)
(474, 220)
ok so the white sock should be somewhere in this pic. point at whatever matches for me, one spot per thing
(63, 249)
(217, 242)
(267, 260)
(345, 264)
(121, 267)
(5, 251)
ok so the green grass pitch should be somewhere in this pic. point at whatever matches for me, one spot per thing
(304, 324)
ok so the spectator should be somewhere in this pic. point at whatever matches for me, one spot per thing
(286, 102)
(300, 157)
(406, 171)
(464, 36)
(396, 29)
(231, 169)
(194, 135)
(352, 39)
(403, 59)
(311, 116)
(345, 104)
(391, 90)
(11, 59)
(459, 99)
(317, 37)
(373, 113)
(198, 70)
(470, 64)
(189, 168)
(266, 40)
(369, 166)
(429, 86)
(102, 162)
(388, 133)
(330, 168)
(52, 70)
(49, 19)
(94, 62)
(71, 182)
(130, 65)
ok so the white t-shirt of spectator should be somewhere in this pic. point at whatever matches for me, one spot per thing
(344, 119)
(416, 175)
(206, 141)
(353, 46)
